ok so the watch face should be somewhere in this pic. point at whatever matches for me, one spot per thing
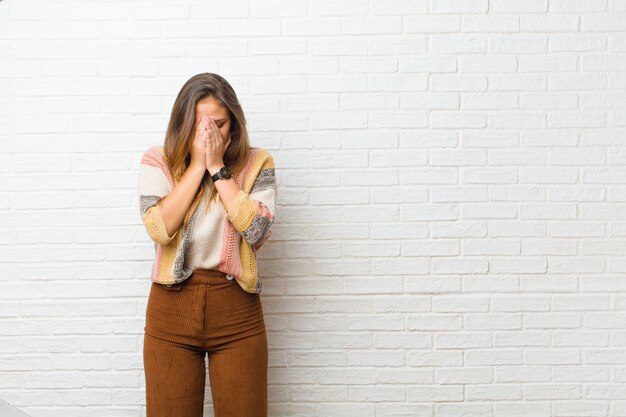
(226, 173)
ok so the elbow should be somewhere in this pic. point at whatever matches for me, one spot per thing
(260, 244)
(258, 231)
(158, 233)
(252, 218)
(155, 226)
(162, 238)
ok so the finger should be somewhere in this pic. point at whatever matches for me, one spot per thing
(207, 124)
(218, 134)
(215, 132)
(213, 125)
(209, 130)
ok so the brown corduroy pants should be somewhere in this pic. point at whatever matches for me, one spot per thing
(205, 314)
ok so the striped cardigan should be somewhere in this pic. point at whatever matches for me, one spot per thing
(243, 229)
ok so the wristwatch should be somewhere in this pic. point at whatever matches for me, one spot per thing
(223, 173)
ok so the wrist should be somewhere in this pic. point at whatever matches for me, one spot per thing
(213, 169)
(196, 168)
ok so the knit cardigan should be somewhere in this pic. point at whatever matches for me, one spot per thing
(250, 218)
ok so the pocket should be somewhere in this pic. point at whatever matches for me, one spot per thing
(168, 308)
(162, 298)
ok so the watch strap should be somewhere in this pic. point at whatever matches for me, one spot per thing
(218, 175)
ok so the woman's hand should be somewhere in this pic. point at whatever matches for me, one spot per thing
(198, 146)
(215, 147)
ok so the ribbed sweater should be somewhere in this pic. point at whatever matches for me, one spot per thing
(218, 239)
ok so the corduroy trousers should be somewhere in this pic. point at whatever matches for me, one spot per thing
(207, 314)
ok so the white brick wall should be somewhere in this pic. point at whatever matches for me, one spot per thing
(451, 228)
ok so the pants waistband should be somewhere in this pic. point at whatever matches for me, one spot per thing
(206, 276)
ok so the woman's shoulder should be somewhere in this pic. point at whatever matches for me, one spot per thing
(154, 151)
(154, 156)
(262, 155)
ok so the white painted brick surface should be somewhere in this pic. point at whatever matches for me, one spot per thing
(451, 230)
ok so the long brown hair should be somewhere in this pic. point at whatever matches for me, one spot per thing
(181, 129)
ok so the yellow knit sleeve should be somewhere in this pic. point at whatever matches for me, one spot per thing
(155, 225)
(153, 185)
(252, 214)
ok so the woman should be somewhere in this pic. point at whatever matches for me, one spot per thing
(207, 200)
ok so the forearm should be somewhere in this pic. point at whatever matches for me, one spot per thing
(174, 206)
(251, 213)
(226, 188)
